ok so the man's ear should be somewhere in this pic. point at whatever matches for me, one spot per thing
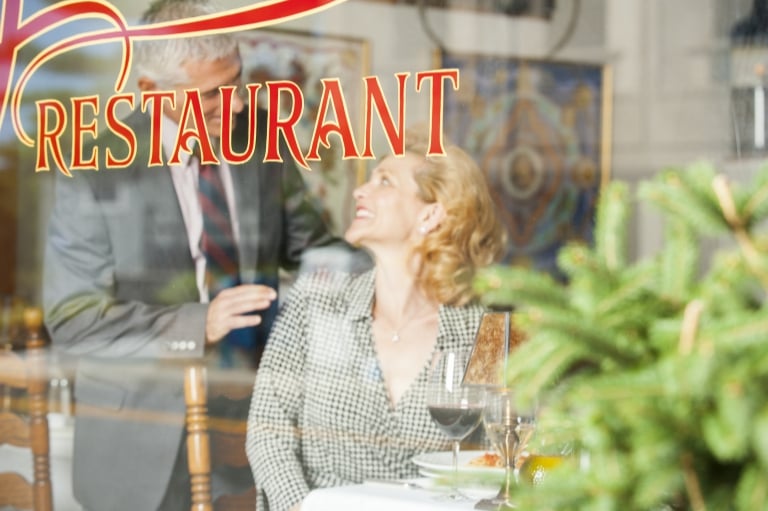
(430, 217)
(146, 84)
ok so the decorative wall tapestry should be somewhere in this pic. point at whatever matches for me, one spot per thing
(540, 131)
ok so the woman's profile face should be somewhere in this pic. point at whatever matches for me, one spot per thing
(387, 206)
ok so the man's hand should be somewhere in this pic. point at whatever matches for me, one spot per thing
(229, 310)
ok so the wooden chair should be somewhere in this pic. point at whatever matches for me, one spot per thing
(25, 422)
(210, 445)
(198, 437)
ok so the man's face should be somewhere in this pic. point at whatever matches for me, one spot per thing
(207, 76)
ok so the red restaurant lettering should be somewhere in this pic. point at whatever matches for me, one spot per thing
(53, 120)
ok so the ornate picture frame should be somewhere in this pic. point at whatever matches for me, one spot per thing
(305, 58)
(540, 130)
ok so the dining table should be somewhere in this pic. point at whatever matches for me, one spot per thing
(418, 494)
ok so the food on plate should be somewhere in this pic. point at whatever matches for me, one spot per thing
(488, 459)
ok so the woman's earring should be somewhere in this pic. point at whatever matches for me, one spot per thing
(423, 230)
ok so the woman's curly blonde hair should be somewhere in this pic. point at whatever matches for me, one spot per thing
(469, 237)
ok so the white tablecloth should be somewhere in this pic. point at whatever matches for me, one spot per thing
(378, 496)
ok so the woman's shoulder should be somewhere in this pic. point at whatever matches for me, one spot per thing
(460, 323)
(471, 311)
(330, 284)
(328, 294)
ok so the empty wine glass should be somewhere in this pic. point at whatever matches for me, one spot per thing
(457, 409)
(509, 428)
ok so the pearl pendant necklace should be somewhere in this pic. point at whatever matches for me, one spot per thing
(418, 317)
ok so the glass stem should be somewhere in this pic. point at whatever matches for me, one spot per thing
(456, 446)
(510, 474)
(513, 469)
(513, 459)
(505, 493)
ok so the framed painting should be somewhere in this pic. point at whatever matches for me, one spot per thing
(304, 59)
(540, 130)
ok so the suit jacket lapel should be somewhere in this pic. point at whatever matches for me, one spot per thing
(169, 234)
(166, 246)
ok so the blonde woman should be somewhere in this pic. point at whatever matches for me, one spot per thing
(340, 394)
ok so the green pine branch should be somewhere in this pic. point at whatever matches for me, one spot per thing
(657, 367)
(610, 224)
(511, 285)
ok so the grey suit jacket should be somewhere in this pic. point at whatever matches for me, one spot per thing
(120, 294)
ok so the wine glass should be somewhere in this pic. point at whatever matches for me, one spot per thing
(457, 409)
(509, 428)
(553, 445)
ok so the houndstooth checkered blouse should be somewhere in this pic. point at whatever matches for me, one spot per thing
(320, 415)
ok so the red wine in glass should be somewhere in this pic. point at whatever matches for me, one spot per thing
(455, 408)
(456, 422)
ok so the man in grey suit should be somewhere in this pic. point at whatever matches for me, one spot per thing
(126, 287)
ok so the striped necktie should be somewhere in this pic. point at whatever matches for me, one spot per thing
(217, 242)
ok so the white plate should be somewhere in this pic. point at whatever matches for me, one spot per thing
(439, 464)
(473, 491)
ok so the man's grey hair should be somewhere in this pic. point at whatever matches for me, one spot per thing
(161, 60)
